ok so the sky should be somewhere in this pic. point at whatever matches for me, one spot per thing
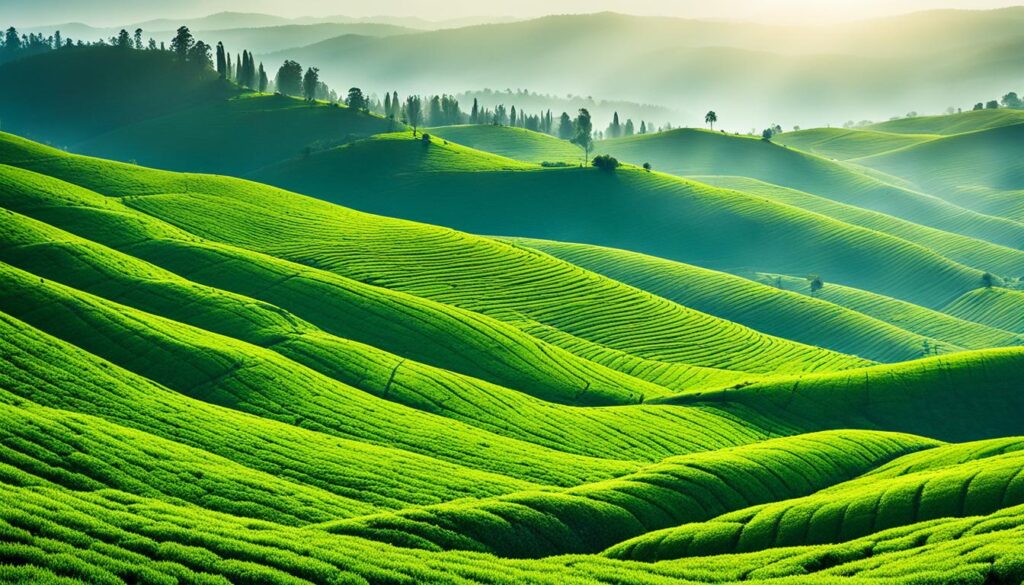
(121, 12)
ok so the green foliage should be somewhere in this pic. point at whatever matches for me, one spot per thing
(605, 162)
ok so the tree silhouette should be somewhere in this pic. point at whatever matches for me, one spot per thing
(263, 82)
(138, 39)
(310, 83)
(182, 42)
(710, 118)
(356, 100)
(565, 129)
(583, 134)
(816, 285)
(606, 162)
(222, 66)
(414, 112)
(987, 280)
(289, 78)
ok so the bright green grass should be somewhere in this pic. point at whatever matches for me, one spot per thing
(456, 269)
(759, 306)
(845, 144)
(590, 518)
(222, 137)
(70, 260)
(911, 397)
(516, 143)
(653, 213)
(926, 322)
(995, 307)
(700, 152)
(980, 170)
(897, 496)
(196, 368)
(953, 124)
(109, 537)
(969, 251)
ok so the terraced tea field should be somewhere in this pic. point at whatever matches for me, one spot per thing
(759, 373)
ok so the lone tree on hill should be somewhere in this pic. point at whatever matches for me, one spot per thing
(710, 118)
(289, 78)
(816, 285)
(647, 167)
(355, 99)
(992, 105)
(987, 280)
(583, 136)
(182, 42)
(414, 112)
(767, 134)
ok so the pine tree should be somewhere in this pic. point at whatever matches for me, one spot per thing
(643, 127)
(628, 130)
(138, 39)
(512, 117)
(263, 79)
(615, 129)
(229, 69)
(387, 105)
(474, 116)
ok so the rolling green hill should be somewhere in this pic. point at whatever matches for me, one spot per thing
(111, 88)
(236, 136)
(209, 380)
(979, 170)
(516, 143)
(923, 321)
(846, 144)
(760, 306)
(972, 252)
(996, 307)
(952, 124)
(980, 483)
(652, 213)
(700, 152)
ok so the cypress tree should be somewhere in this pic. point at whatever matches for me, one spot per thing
(387, 105)
(263, 79)
(222, 67)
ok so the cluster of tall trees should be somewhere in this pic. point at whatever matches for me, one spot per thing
(244, 71)
(15, 46)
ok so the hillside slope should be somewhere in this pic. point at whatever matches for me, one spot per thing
(700, 152)
(652, 213)
(204, 379)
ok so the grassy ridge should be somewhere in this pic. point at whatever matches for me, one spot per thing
(590, 518)
(995, 307)
(929, 323)
(488, 277)
(954, 124)
(979, 170)
(124, 537)
(651, 213)
(517, 143)
(219, 137)
(510, 413)
(846, 144)
(911, 396)
(977, 485)
(972, 252)
(761, 307)
(700, 152)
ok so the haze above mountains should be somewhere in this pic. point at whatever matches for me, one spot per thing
(752, 74)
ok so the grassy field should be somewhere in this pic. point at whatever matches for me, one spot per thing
(209, 380)
(516, 143)
(653, 213)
